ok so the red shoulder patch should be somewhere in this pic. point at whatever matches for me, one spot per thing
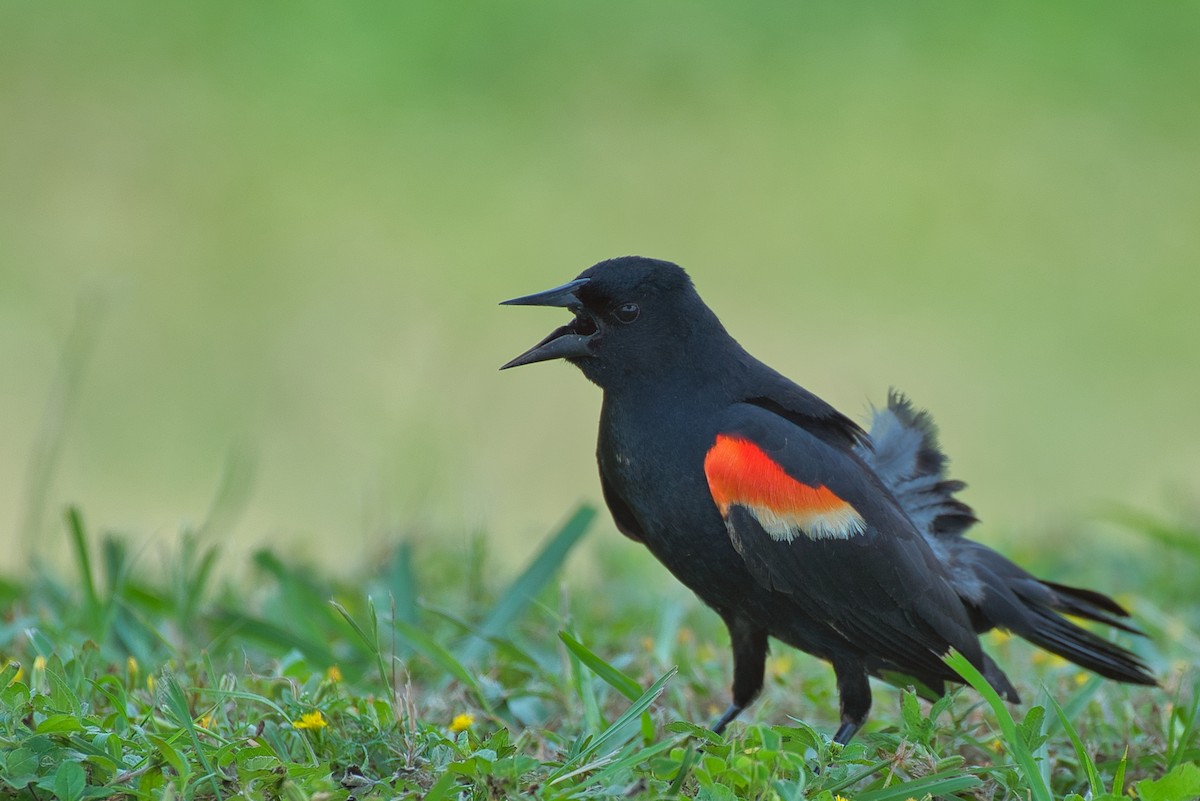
(740, 473)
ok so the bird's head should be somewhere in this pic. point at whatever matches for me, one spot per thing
(633, 316)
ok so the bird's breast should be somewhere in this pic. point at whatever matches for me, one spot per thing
(655, 463)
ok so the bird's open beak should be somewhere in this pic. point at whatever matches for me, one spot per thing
(565, 342)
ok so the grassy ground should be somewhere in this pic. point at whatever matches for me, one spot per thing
(427, 675)
(281, 233)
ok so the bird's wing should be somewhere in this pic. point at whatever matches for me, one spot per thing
(811, 520)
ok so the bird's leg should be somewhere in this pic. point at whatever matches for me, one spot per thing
(854, 694)
(749, 664)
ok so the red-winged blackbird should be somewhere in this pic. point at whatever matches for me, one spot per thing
(787, 518)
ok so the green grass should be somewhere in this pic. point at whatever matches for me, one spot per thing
(266, 244)
(427, 675)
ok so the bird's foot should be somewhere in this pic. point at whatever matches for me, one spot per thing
(732, 712)
(846, 731)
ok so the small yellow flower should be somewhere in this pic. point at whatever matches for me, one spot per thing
(779, 666)
(997, 746)
(132, 666)
(39, 662)
(840, 798)
(1081, 678)
(647, 643)
(334, 673)
(207, 722)
(1000, 636)
(310, 720)
(462, 722)
(150, 682)
(685, 636)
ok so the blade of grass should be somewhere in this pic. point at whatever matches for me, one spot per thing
(440, 656)
(64, 394)
(508, 649)
(581, 683)
(1119, 774)
(271, 635)
(531, 581)
(1008, 727)
(636, 756)
(233, 492)
(176, 701)
(1085, 759)
(82, 558)
(936, 785)
(1177, 743)
(855, 778)
(611, 675)
(616, 728)
(302, 599)
(401, 578)
(371, 641)
(1075, 704)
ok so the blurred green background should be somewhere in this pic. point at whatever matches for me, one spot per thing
(280, 232)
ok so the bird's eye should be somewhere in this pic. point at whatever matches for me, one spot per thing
(627, 312)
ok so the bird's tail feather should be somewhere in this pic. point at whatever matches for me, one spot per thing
(1089, 604)
(1060, 636)
(905, 455)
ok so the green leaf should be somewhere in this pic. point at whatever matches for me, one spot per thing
(62, 696)
(20, 768)
(259, 763)
(1180, 784)
(716, 792)
(442, 787)
(1031, 727)
(694, 730)
(14, 695)
(9, 673)
(171, 756)
(916, 726)
(57, 724)
(69, 781)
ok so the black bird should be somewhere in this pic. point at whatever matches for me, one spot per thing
(786, 517)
